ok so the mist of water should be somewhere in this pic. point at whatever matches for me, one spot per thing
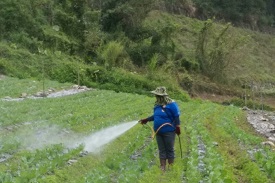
(96, 141)
(38, 136)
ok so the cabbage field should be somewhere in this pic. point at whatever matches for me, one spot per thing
(64, 139)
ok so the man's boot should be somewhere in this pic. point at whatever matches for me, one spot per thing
(170, 162)
(163, 164)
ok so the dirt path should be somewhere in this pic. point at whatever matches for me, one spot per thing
(263, 122)
(51, 93)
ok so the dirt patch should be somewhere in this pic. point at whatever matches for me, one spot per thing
(270, 101)
(51, 93)
(263, 122)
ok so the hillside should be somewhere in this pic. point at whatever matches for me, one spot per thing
(217, 143)
(104, 46)
(53, 130)
(251, 63)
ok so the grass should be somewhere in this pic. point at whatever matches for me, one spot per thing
(223, 131)
(13, 87)
(252, 63)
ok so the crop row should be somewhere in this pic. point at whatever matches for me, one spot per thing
(215, 142)
(82, 113)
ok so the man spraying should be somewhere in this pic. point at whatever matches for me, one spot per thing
(166, 124)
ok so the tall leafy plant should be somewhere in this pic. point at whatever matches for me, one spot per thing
(215, 48)
(152, 66)
(111, 53)
(125, 16)
(17, 16)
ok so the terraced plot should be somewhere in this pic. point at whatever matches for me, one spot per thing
(217, 143)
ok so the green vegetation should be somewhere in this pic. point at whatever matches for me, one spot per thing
(216, 140)
(122, 50)
(87, 42)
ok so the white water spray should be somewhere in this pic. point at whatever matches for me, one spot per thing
(37, 136)
(96, 141)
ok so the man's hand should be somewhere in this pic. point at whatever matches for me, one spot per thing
(143, 121)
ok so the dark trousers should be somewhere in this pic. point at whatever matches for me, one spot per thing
(166, 142)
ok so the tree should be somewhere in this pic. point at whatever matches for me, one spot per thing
(125, 16)
(249, 12)
(111, 54)
(215, 48)
(15, 17)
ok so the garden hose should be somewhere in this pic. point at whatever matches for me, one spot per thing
(152, 130)
(154, 134)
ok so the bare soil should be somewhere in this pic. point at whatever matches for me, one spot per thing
(263, 122)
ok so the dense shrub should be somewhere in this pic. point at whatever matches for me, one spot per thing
(122, 81)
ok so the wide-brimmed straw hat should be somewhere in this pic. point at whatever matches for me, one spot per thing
(160, 91)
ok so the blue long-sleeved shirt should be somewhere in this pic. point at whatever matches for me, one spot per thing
(165, 114)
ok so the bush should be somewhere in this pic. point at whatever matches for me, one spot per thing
(111, 54)
(120, 80)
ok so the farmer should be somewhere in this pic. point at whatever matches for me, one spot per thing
(166, 125)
